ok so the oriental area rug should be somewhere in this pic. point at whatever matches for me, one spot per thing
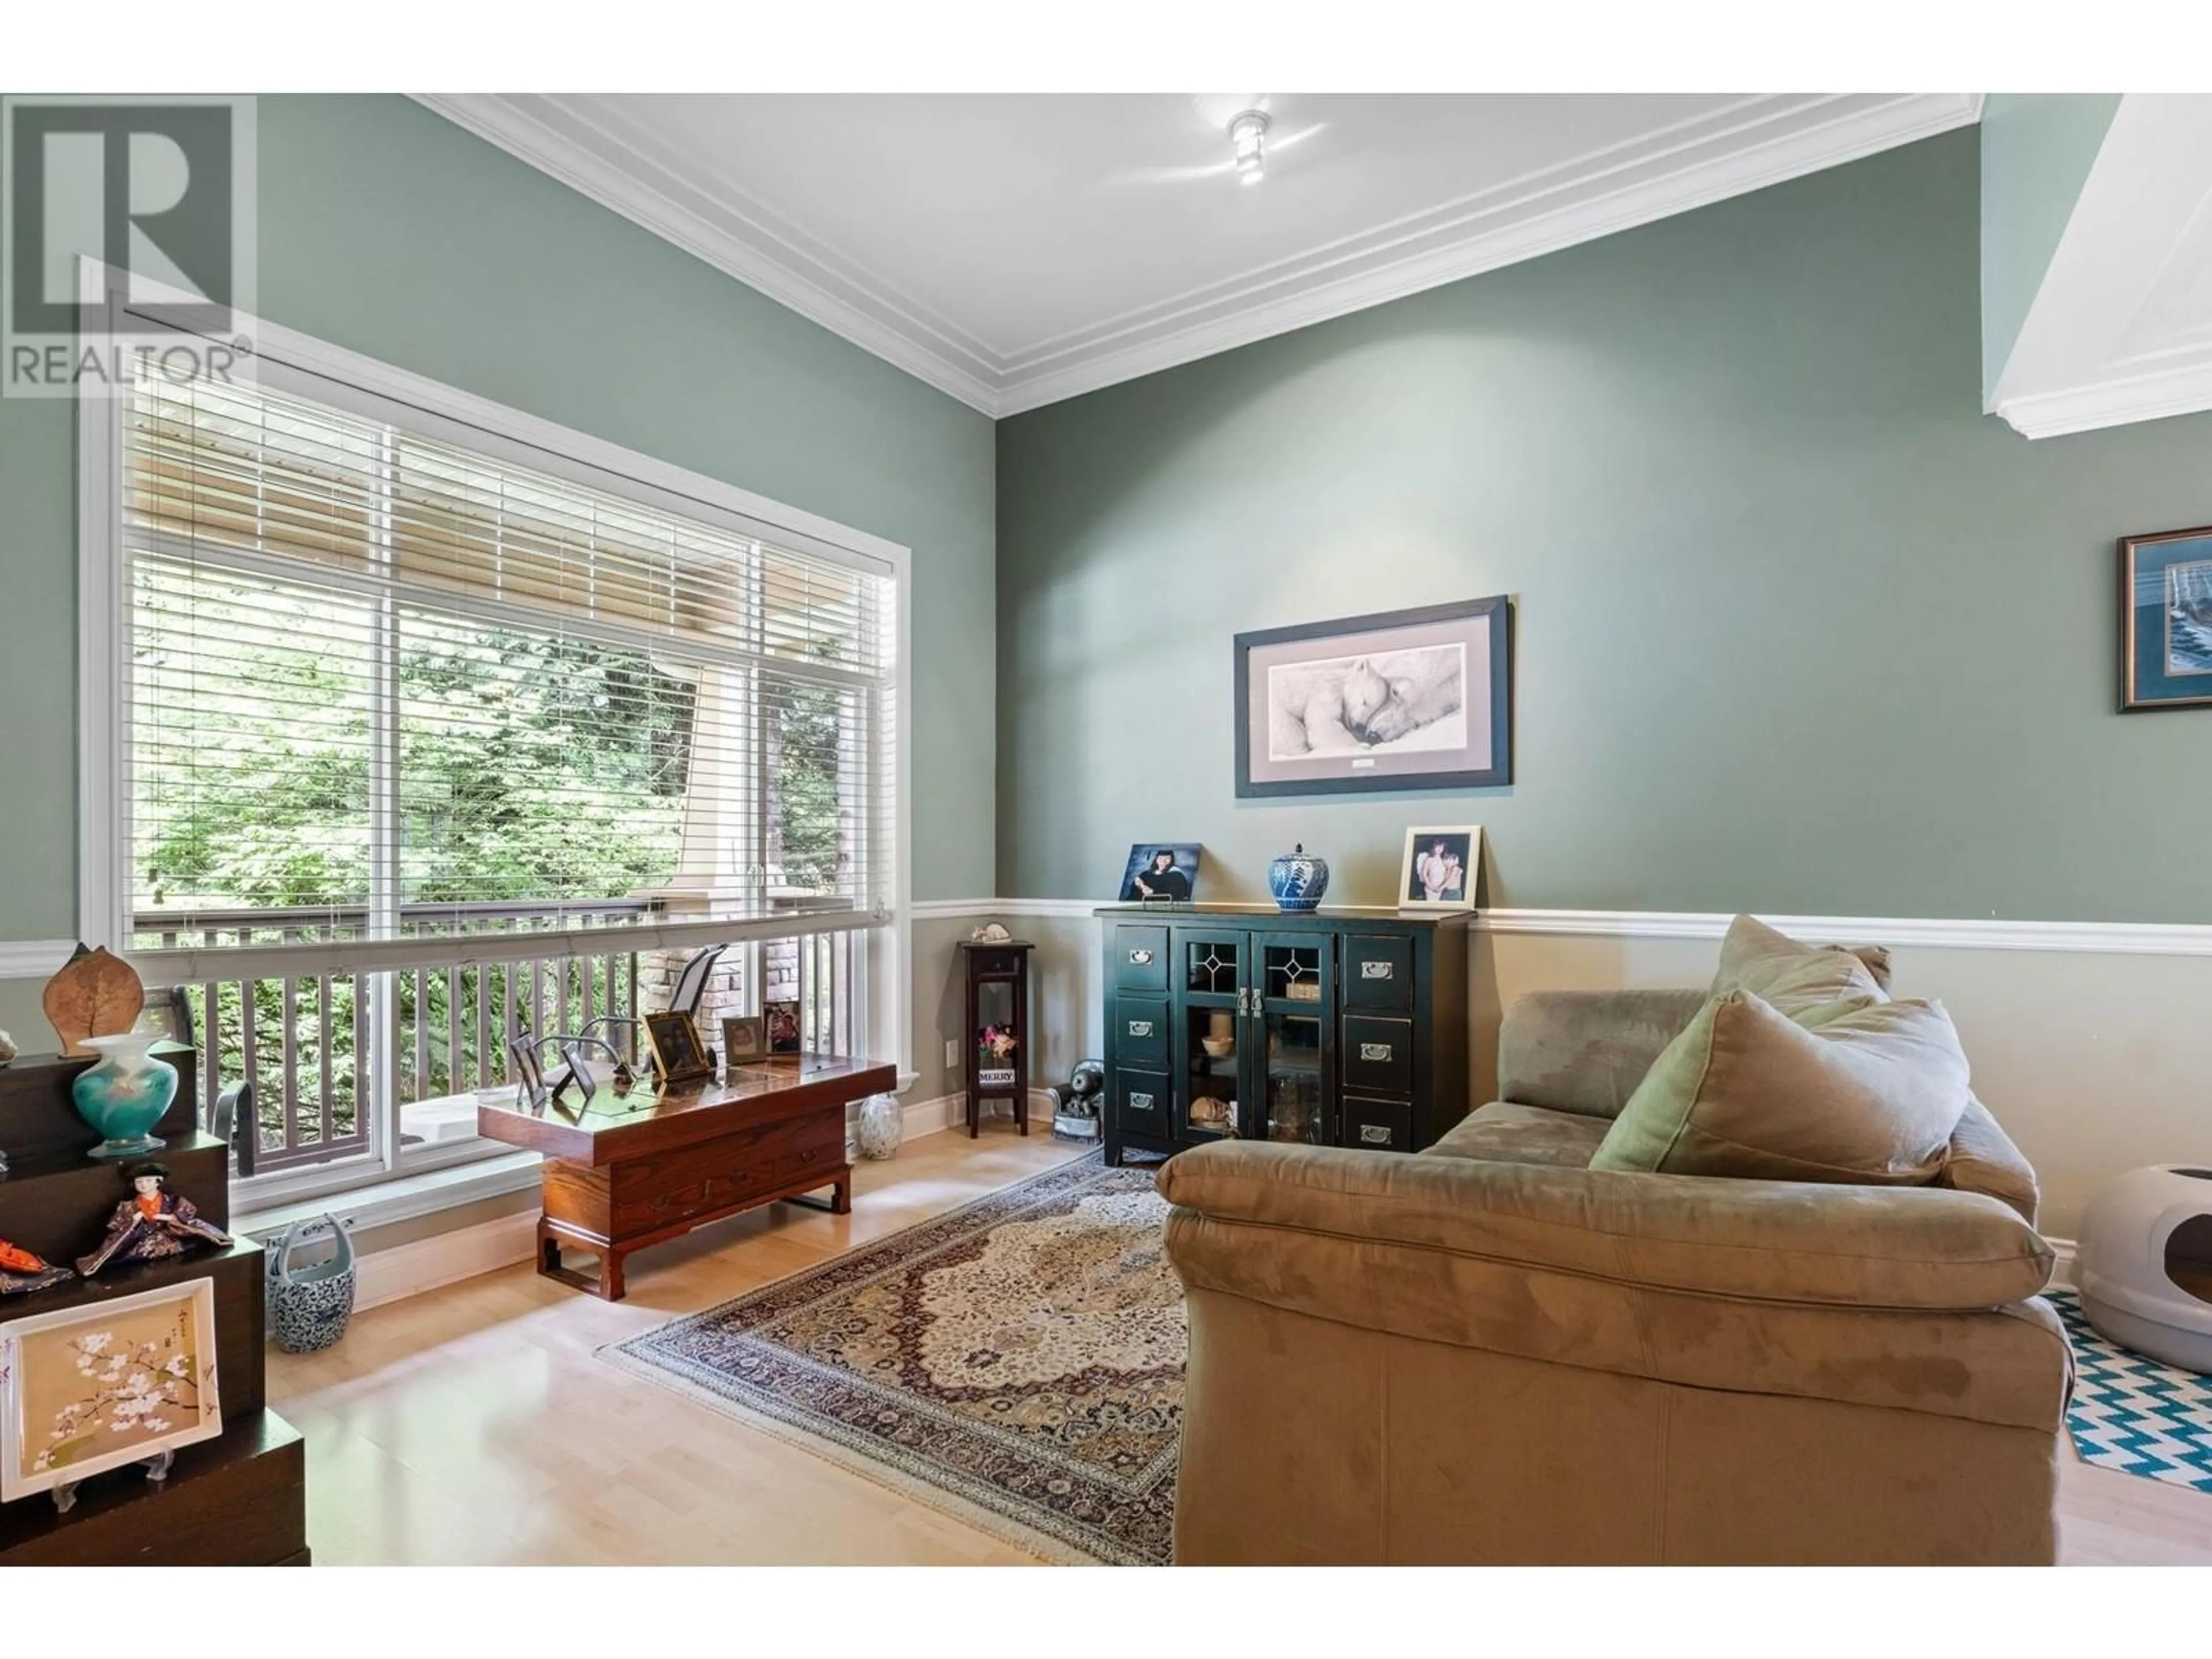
(1017, 1363)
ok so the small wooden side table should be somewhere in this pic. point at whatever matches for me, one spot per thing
(998, 1028)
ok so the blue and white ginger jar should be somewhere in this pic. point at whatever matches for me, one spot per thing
(1298, 879)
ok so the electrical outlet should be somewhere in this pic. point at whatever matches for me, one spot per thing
(951, 1052)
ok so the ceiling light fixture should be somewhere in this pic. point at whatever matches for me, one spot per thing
(1248, 137)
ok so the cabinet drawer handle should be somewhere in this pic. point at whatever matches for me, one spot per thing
(1374, 1134)
(1141, 959)
(1140, 1028)
(1377, 969)
(1139, 1102)
(1377, 1051)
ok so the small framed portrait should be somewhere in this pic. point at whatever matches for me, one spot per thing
(780, 1020)
(1160, 872)
(1439, 868)
(677, 1049)
(2166, 624)
(89, 1389)
(744, 1039)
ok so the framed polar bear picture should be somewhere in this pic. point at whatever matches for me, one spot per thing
(1402, 699)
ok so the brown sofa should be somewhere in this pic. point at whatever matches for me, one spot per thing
(1490, 1353)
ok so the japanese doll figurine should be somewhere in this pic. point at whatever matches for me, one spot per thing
(20, 1271)
(151, 1224)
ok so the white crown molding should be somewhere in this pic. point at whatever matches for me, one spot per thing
(1756, 142)
(2109, 402)
(1768, 142)
(596, 165)
(34, 959)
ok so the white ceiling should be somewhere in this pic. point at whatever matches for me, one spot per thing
(1016, 250)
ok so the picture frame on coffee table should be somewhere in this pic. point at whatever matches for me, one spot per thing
(744, 1039)
(1418, 699)
(677, 1050)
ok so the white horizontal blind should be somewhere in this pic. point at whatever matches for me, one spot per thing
(399, 700)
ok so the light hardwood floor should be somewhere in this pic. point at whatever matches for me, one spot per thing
(473, 1425)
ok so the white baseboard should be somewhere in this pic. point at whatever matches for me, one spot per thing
(926, 1117)
(445, 1258)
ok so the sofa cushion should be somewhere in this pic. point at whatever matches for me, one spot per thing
(1861, 1091)
(1777, 969)
(1585, 1051)
(1981, 1159)
(1507, 1132)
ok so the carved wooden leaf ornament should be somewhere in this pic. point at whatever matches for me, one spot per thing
(95, 994)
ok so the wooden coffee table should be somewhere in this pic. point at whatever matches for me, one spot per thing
(625, 1172)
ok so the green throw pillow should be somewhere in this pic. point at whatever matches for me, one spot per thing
(1856, 1090)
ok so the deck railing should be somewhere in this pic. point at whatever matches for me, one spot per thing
(326, 1051)
(314, 1044)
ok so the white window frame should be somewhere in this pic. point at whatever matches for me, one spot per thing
(344, 378)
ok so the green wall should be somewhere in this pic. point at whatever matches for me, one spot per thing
(387, 229)
(1800, 630)
(2037, 151)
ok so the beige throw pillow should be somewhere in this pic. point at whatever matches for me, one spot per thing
(1771, 965)
(1859, 1091)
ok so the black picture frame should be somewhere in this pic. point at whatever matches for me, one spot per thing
(784, 1032)
(2152, 675)
(677, 1050)
(1491, 617)
(1184, 858)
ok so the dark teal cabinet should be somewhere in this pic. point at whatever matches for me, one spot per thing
(1330, 1029)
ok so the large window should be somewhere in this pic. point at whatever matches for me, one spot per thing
(424, 733)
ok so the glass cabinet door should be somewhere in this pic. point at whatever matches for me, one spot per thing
(1210, 1032)
(1295, 1002)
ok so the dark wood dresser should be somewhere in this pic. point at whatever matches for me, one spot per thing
(1334, 1027)
(237, 1500)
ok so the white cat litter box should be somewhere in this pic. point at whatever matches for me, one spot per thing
(2143, 1263)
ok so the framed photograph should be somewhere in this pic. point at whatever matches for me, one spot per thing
(1440, 868)
(2166, 624)
(1157, 871)
(529, 1070)
(677, 1049)
(744, 1039)
(1402, 699)
(781, 1021)
(90, 1389)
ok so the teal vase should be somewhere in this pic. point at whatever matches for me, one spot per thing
(123, 1096)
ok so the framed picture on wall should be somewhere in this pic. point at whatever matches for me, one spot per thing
(1401, 700)
(1440, 868)
(2166, 624)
